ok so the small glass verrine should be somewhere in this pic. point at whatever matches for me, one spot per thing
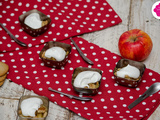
(129, 82)
(45, 104)
(85, 91)
(31, 31)
(53, 63)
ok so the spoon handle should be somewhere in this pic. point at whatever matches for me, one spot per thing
(81, 53)
(12, 36)
(137, 101)
(71, 96)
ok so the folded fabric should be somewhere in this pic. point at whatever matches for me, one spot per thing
(69, 18)
(28, 70)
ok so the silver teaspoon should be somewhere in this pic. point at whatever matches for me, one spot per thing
(71, 96)
(81, 53)
(150, 91)
(13, 37)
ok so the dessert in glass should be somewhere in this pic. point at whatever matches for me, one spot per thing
(33, 107)
(55, 54)
(86, 80)
(34, 22)
(128, 72)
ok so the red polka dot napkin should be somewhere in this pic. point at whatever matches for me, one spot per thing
(69, 18)
(27, 69)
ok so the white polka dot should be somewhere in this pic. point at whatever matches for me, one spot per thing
(112, 22)
(18, 77)
(35, 6)
(66, 82)
(68, 89)
(153, 79)
(59, 89)
(38, 82)
(110, 10)
(34, 72)
(52, 95)
(127, 111)
(121, 98)
(55, 75)
(43, 8)
(66, 35)
(29, 83)
(150, 73)
(93, 53)
(12, 60)
(119, 91)
(131, 97)
(109, 91)
(45, 75)
(124, 105)
(112, 99)
(31, 59)
(71, 68)
(9, 45)
(147, 109)
(144, 103)
(114, 106)
(99, 65)
(53, 25)
(78, 61)
(105, 58)
(27, 5)
(106, 85)
(48, 82)
(137, 89)
(102, 100)
(78, 31)
(40, 89)
(19, 4)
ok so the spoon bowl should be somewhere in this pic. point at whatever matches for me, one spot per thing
(153, 89)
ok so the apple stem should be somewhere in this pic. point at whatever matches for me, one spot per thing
(135, 38)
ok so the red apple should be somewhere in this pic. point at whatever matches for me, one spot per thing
(135, 45)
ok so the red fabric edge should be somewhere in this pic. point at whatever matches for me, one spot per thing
(152, 110)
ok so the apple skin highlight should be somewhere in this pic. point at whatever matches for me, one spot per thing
(135, 44)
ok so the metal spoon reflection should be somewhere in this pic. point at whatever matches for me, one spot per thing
(13, 37)
(71, 96)
(81, 53)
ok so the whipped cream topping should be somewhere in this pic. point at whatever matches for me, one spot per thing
(129, 70)
(56, 52)
(30, 105)
(84, 78)
(33, 20)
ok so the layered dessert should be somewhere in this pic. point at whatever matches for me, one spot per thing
(33, 20)
(87, 79)
(128, 72)
(32, 107)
